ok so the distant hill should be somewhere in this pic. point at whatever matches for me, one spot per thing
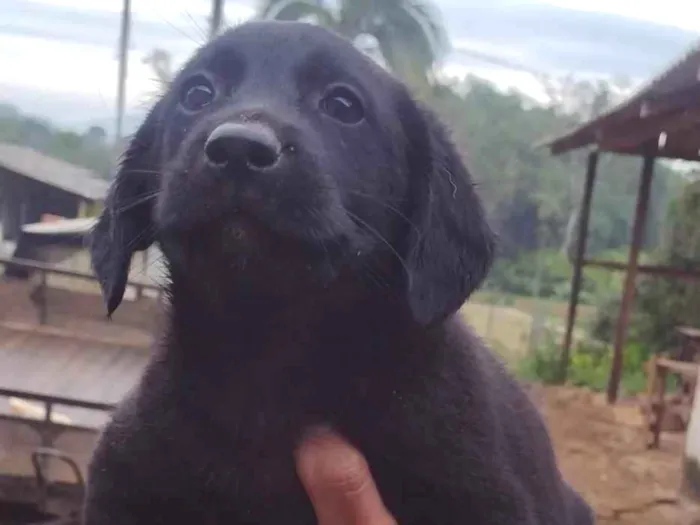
(90, 149)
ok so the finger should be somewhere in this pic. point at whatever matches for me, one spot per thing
(339, 482)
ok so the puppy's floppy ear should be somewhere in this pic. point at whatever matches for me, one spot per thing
(451, 248)
(126, 223)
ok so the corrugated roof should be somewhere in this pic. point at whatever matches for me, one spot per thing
(669, 103)
(54, 172)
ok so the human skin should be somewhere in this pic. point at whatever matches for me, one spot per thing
(339, 482)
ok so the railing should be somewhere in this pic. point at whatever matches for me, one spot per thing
(50, 401)
(47, 427)
(44, 269)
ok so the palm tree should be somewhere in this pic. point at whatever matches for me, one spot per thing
(408, 35)
(160, 62)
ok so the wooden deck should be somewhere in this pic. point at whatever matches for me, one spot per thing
(19, 439)
(62, 367)
(77, 353)
(77, 315)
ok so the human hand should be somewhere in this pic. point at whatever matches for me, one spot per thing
(339, 483)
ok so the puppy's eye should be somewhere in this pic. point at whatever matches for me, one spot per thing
(342, 104)
(196, 93)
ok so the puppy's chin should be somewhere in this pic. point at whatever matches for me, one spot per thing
(239, 254)
(242, 234)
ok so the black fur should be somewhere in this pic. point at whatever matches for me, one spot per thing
(321, 290)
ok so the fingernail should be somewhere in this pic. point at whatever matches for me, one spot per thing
(317, 432)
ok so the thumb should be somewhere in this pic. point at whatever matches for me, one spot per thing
(339, 483)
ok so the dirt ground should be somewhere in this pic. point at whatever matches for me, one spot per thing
(602, 453)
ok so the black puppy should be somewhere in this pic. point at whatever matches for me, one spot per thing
(320, 232)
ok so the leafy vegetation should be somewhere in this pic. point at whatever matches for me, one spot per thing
(663, 303)
(406, 35)
(589, 366)
(90, 149)
(530, 194)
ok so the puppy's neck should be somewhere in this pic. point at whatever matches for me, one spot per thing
(256, 324)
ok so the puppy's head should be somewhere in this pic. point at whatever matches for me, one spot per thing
(282, 158)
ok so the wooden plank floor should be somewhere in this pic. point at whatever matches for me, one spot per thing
(81, 315)
(79, 353)
(68, 368)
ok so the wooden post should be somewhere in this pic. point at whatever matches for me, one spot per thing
(581, 241)
(217, 15)
(124, 37)
(638, 229)
(43, 299)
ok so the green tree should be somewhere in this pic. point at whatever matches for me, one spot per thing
(90, 149)
(663, 303)
(529, 193)
(407, 35)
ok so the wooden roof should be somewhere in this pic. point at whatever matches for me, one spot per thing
(76, 180)
(665, 113)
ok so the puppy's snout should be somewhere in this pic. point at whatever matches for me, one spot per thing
(251, 143)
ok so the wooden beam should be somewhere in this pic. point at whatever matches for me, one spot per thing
(687, 369)
(576, 139)
(580, 254)
(58, 270)
(57, 400)
(638, 230)
(631, 115)
(645, 269)
(669, 101)
(637, 133)
(671, 152)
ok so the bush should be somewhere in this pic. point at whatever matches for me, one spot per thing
(519, 277)
(662, 303)
(589, 366)
(541, 365)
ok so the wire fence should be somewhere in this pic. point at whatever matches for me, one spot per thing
(517, 325)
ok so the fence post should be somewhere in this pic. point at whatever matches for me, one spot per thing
(489, 319)
(580, 255)
(43, 306)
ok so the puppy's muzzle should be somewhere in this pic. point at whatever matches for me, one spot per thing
(252, 144)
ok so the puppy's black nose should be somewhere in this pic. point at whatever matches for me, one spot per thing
(252, 143)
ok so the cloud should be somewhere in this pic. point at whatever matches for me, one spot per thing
(59, 57)
(554, 38)
(64, 109)
(675, 13)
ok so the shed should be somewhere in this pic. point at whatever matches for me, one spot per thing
(661, 120)
(33, 184)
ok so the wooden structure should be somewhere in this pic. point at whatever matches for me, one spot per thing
(684, 363)
(662, 120)
(36, 307)
(32, 184)
(690, 485)
(46, 242)
(64, 367)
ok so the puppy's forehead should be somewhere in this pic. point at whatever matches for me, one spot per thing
(308, 53)
(272, 34)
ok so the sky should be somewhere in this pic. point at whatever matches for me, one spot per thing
(58, 58)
